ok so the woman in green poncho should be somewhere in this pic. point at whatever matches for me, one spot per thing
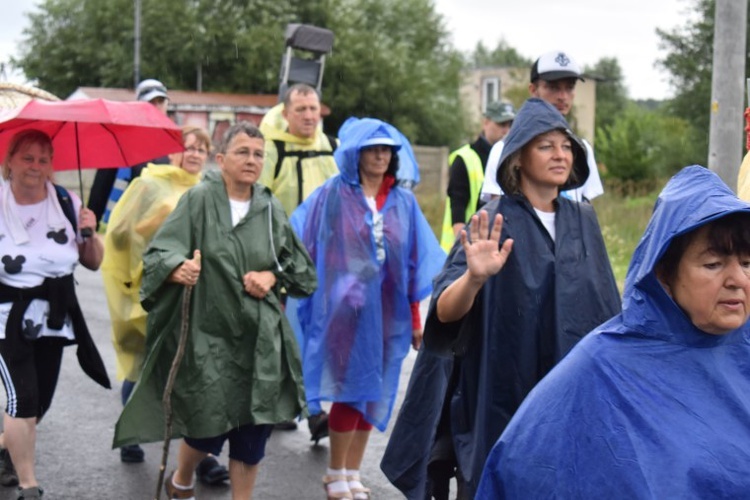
(230, 240)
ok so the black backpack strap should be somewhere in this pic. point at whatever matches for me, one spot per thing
(333, 142)
(281, 152)
(66, 202)
(300, 155)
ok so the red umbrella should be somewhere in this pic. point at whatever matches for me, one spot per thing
(95, 133)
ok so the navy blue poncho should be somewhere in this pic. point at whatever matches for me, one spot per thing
(546, 298)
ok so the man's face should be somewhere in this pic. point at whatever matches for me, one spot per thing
(559, 93)
(160, 103)
(494, 131)
(303, 114)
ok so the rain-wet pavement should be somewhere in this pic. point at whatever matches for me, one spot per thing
(74, 459)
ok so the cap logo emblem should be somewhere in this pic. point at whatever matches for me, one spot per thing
(562, 59)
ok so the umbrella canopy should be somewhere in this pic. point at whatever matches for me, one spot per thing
(95, 133)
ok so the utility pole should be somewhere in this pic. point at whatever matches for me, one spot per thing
(727, 90)
(137, 48)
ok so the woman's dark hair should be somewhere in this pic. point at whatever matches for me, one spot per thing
(729, 235)
(392, 166)
(239, 128)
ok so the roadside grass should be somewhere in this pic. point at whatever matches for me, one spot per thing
(623, 212)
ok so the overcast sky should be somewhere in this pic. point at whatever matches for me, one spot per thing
(587, 29)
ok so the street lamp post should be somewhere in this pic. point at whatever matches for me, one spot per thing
(137, 47)
(727, 90)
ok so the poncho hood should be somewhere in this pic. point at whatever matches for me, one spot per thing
(692, 198)
(537, 117)
(408, 168)
(352, 135)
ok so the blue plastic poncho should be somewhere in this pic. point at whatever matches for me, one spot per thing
(356, 329)
(647, 406)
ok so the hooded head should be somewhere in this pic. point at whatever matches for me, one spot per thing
(538, 117)
(356, 134)
(691, 199)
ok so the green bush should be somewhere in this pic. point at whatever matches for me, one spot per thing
(644, 145)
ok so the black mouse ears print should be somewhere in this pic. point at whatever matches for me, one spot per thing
(31, 330)
(58, 236)
(13, 265)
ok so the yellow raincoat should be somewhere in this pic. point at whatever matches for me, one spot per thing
(743, 180)
(308, 159)
(144, 205)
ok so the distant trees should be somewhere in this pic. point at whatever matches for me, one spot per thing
(689, 62)
(644, 144)
(392, 58)
(502, 55)
(611, 94)
(637, 142)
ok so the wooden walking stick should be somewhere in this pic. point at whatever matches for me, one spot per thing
(167, 396)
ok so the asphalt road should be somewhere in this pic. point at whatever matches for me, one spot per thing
(75, 460)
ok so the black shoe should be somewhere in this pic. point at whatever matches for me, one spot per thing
(8, 476)
(211, 472)
(289, 425)
(131, 454)
(318, 425)
(35, 492)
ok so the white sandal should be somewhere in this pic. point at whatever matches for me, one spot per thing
(329, 481)
(359, 492)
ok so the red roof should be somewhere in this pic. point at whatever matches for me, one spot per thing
(192, 100)
(188, 97)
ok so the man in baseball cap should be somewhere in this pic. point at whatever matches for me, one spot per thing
(109, 184)
(467, 170)
(553, 78)
(153, 91)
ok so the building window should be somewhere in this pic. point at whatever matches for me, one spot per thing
(490, 91)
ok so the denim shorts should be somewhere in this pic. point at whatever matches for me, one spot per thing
(247, 443)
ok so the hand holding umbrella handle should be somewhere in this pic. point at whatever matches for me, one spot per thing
(87, 222)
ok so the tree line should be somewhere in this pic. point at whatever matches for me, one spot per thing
(392, 59)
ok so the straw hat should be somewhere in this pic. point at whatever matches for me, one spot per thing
(13, 95)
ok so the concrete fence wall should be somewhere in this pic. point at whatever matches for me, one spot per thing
(433, 170)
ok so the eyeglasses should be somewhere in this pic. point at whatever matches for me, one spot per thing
(243, 154)
(193, 150)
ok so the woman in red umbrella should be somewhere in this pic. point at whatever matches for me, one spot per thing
(40, 246)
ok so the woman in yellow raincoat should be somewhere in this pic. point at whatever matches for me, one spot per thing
(144, 205)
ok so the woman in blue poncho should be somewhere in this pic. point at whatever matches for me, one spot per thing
(656, 402)
(376, 257)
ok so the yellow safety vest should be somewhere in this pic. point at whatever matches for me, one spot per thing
(475, 169)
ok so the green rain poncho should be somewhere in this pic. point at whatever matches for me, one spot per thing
(242, 363)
